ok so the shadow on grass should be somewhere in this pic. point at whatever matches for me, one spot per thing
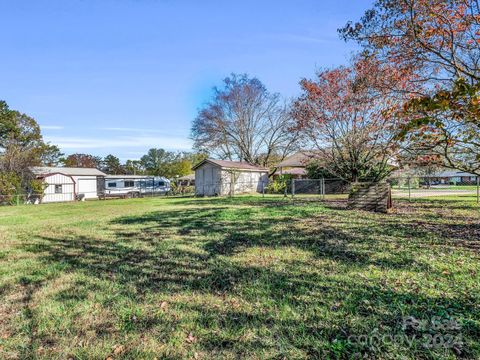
(190, 251)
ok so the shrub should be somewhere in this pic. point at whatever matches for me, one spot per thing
(277, 186)
(10, 187)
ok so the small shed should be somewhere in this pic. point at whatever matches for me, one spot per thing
(222, 177)
(65, 183)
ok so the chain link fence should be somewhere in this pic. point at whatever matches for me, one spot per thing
(413, 187)
(409, 188)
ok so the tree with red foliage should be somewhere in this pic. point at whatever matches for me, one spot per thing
(439, 39)
(347, 113)
(83, 161)
(439, 42)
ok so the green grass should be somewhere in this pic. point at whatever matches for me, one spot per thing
(247, 277)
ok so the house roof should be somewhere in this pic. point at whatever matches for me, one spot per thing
(299, 159)
(226, 164)
(294, 171)
(44, 170)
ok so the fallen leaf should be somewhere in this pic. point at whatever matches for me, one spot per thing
(190, 338)
(118, 349)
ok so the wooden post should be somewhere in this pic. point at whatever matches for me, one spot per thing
(293, 188)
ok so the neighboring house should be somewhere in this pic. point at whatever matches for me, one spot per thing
(441, 177)
(66, 184)
(454, 178)
(221, 177)
(295, 165)
(187, 180)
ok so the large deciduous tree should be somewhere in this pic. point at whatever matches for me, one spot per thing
(439, 42)
(244, 121)
(347, 114)
(21, 147)
(445, 128)
(438, 39)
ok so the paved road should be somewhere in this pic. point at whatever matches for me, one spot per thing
(433, 192)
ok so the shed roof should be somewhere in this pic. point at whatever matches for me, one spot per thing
(226, 164)
(45, 170)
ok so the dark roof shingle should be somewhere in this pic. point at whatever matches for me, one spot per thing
(226, 164)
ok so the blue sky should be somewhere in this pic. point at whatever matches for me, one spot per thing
(122, 76)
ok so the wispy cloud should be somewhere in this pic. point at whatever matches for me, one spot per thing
(51, 127)
(79, 143)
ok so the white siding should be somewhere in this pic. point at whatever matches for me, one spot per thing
(64, 183)
(211, 180)
(208, 183)
(86, 185)
(243, 181)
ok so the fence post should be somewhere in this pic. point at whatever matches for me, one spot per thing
(322, 186)
(409, 190)
(263, 188)
(293, 188)
(478, 189)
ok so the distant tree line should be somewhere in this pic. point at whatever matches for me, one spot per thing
(22, 147)
(158, 162)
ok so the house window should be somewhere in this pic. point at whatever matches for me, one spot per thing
(58, 189)
(112, 184)
(129, 183)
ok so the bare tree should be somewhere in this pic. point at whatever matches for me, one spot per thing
(245, 122)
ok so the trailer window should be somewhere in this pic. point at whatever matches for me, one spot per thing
(112, 184)
(161, 183)
(129, 183)
(58, 189)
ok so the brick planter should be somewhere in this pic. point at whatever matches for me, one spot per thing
(370, 197)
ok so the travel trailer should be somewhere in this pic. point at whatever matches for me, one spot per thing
(131, 186)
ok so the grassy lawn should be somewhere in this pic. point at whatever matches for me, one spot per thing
(237, 278)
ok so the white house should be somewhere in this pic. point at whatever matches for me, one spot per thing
(221, 177)
(66, 184)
